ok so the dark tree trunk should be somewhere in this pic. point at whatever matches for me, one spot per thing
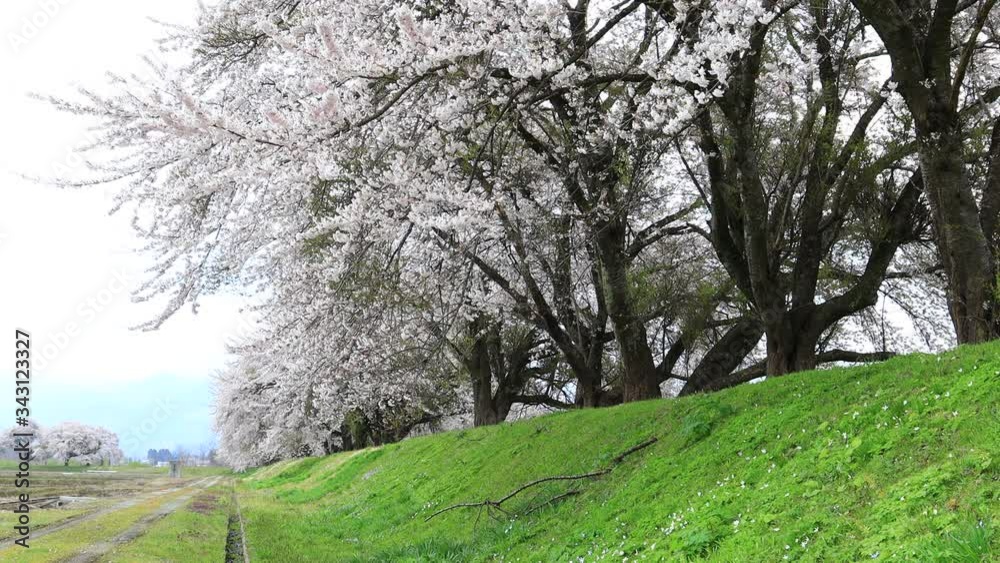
(498, 370)
(791, 341)
(484, 411)
(588, 393)
(989, 208)
(355, 431)
(640, 378)
(789, 353)
(962, 244)
(921, 47)
(487, 409)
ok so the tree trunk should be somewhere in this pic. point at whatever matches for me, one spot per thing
(588, 393)
(640, 379)
(484, 412)
(921, 46)
(791, 343)
(481, 375)
(962, 244)
(356, 431)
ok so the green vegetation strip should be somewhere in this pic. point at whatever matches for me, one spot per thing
(899, 460)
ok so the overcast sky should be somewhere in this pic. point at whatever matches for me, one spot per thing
(67, 262)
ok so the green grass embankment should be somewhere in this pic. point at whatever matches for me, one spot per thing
(894, 461)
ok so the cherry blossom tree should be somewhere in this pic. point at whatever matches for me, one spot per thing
(470, 205)
(73, 441)
(8, 440)
(805, 212)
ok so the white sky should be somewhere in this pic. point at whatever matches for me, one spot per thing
(62, 253)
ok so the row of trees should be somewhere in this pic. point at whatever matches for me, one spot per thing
(67, 442)
(453, 205)
(204, 454)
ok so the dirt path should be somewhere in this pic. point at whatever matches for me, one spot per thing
(96, 550)
(77, 520)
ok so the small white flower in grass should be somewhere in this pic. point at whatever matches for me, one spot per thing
(787, 547)
(885, 407)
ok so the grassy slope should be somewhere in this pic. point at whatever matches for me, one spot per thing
(899, 461)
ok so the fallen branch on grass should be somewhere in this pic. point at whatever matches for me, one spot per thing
(496, 504)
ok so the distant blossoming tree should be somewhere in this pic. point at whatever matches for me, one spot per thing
(82, 443)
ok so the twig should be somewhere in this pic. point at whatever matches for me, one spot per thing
(491, 504)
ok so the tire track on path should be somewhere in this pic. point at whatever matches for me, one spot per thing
(96, 550)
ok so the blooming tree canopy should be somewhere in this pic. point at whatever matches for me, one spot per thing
(445, 203)
(82, 443)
